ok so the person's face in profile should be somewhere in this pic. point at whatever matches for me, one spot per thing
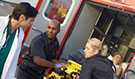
(25, 23)
(89, 50)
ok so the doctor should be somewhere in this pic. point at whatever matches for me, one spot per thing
(11, 35)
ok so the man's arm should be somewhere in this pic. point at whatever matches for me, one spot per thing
(43, 62)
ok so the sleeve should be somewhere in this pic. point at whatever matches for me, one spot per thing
(86, 71)
(37, 48)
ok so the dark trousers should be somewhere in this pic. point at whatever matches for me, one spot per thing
(25, 74)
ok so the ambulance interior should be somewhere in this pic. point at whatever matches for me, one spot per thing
(114, 26)
(110, 23)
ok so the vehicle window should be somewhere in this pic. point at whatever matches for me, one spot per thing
(57, 9)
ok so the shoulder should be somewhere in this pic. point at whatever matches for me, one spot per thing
(38, 39)
(92, 62)
(40, 36)
(102, 64)
(100, 60)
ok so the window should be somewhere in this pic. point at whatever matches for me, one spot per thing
(57, 9)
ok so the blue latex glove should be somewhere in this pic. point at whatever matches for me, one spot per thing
(59, 65)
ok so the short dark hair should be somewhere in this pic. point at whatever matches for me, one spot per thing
(24, 8)
(117, 53)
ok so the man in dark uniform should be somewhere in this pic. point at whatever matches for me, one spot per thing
(95, 66)
(41, 55)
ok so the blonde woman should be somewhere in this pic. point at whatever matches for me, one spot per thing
(95, 65)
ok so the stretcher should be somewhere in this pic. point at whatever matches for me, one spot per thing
(70, 70)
